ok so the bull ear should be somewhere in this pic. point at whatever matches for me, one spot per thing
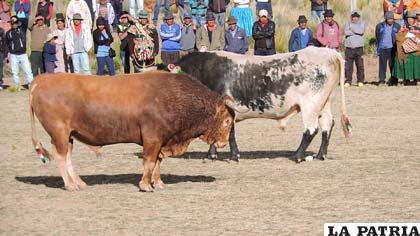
(232, 104)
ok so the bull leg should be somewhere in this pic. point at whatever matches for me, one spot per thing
(323, 149)
(326, 123)
(156, 180)
(310, 119)
(150, 155)
(60, 159)
(212, 153)
(75, 177)
(234, 151)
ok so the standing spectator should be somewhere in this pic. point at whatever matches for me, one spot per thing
(243, 14)
(183, 8)
(45, 9)
(122, 30)
(158, 5)
(318, 8)
(265, 4)
(23, 11)
(188, 37)
(4, 15)
(328, 31)
(3, 54)
(143, 42)
(80, 7)
(102, 40)
(218, 8)
(104, 9)
(16, 45)
(78, 43)
(210, 37)
(385, 33)
(140, 7)
(117, 5)
(49, 53)
(39, 32)
(354, 32)
(63, 64)
(301, 35)
(395, 6)
(235, 38)
(170, 33)
(198, 11)
(263, 33)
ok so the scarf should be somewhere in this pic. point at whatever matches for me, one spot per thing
(78, 29)
(211, 28)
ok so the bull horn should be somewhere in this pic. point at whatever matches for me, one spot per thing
(231, 104)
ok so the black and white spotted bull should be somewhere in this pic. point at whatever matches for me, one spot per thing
(276, 87)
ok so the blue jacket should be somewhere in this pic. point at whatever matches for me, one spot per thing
(295, 41)
(238, 43)
(49, 52)
(171, 37)
(379, 33)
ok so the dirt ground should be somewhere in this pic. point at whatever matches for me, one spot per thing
(373, 178)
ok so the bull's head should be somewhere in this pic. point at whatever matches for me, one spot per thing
(221, 124)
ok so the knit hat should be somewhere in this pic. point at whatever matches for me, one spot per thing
(168, 16)
(100, 21)
(143, 14)
(262, 13)
(77, 16)
(389, 15)
(302, 19)
(329, 13)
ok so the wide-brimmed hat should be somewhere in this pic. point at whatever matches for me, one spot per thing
(355, 14)
(231, 20)
(51, 36)
(143, 14)
(411, 14)
(210, 16)
(77, 16)
(329, 13)
(262, 13)
(59, 17)
(168, 16)
(389, 15)
(100, 21)
(302, 19)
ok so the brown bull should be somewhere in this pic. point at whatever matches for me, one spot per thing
(163, 112)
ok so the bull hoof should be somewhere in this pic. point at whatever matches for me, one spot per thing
(212, 157)
(320, 157)
(235, 158)
(299, 160)
(72, 188)
(145, 187)
(158, 184)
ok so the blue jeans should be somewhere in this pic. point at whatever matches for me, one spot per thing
(140, 6)
(199, 20)
(22, 59)
(317, 16)
(157, 9)
(109, 64)
(220, 18)
(81, 60)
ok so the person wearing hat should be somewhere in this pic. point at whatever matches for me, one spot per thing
(170, 33)
(62, 64)
(143, 42)
(102, 40)
(385, 33)
(263, 32)
(81, 7)
(210, 36)
(188, 36)
(122, 30)
(235, 38)
(45, 9)
(78, 42)
(328, 32)
(318, 8)
(243, 15)
(396, 7)
(16, 45)
(198, 11)
(105, 10)
(218, 8)
(23, 12)
(354, 42)
(411, 25)
(39, 32)
(300, 36)
(49, 53)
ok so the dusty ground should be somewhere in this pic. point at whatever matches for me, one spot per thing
(374, 178)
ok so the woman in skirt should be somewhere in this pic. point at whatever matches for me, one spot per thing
(243, 15)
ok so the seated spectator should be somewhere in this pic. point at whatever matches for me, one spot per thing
(45, 9)
(102, 40)
(78, 43)
(301, 36)
(122, 30)
(243, 15)
(198, 11)
(263, 33)
(396, 7)
(49, 53)
(143, 42)
(235, 38)
(188, 37)
(218, 8)
(105, 10)
(354, 31)
(39, 33)
(23, 12)
(328, 31)
(318, 8)
(210, 37)
(265, 4)
(170, 33)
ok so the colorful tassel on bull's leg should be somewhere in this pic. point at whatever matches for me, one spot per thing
(40, 154)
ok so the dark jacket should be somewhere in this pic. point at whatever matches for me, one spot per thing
(16, 41)
(379, 34)
(218, 6)
(98, 40)
(264, 36)
(295, 41)
(49, 52)
(3, 44)
(237, 43)
(316, 7)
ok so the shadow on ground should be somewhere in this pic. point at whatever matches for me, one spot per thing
(57, 181)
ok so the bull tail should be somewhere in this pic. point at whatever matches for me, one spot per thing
(345, 120)
(41, 152)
